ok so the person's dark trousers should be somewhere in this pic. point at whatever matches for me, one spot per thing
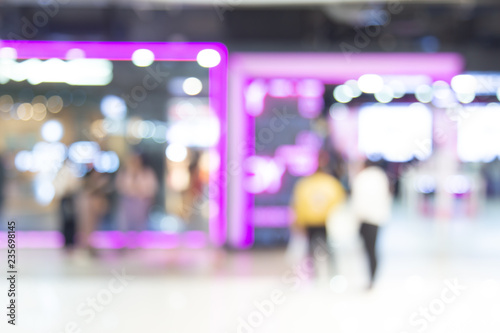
(68, 221)
(318, 247)
(369, 234)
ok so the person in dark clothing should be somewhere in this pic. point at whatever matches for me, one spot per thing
(67, 185)
(371, 200)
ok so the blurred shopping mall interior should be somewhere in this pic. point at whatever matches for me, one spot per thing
(251, 165)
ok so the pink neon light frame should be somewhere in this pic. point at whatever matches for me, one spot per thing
(110, 240)
(330, 68)
(168, 51)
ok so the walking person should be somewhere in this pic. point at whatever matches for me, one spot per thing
(371, 202)
(313, 199)
(137, 185)
(92, 205)
(67, 185)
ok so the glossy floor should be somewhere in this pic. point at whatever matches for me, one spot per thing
(434, 277)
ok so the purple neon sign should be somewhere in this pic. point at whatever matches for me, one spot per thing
(254, 77)
(210, 55)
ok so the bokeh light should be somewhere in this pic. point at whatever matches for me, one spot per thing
(192, 86)
(52, 131)
(208, 58)
(143, 57)
(176, 152)
(113, 107)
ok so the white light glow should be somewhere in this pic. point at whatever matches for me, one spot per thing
(208, 58)
(146, 129)
(466, 98)
(425, 184)
(464, 84)
(398, 133)
(385, 95)
(192, 86)
(174, 86)
(457, 184)
(266, 174)
(477, 134)
(48, 157)
(80, 72)
(353, 85)
(23, 161)
(55, 104)
(441, 90)
(8, 53)
(199, 132)
(39, 111)
(78, 170)
(52, 131)
(443, 95)
(83, 151)
(406, 84)
(113, 107)
(176, 152)
(44, 191)
(133, 127)
(370, 83)
(160, 134)
(423, 93)
(143, 58)
(75, 54)
(111, 126)
(398, 88)
(339, 111)
(185, 109)
(171, 223)
(343, 94)
(107, 161)
(6, 103)
(25, 111)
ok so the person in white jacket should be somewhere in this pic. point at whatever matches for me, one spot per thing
(371, 202)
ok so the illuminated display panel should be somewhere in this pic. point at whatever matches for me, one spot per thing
(478, 135)
(395, 132)
(97, 78)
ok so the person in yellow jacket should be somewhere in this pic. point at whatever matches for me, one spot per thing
(314, 197)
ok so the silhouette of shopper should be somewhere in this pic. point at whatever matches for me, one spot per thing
(371, 200)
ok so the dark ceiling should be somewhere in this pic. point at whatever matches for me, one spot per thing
(473, 31)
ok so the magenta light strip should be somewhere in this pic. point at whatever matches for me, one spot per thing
(337, 68)
(111, 50)
(163, 52)
(111, 240)
(329, 68)
(218, 181)
(34, 239)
